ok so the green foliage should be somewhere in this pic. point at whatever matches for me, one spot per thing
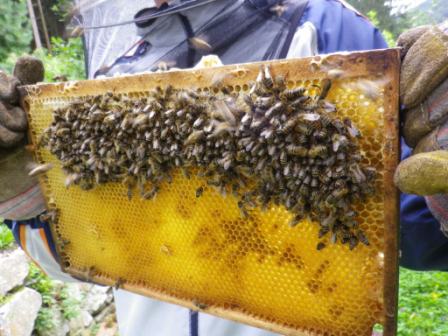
(69, 305)
(15, 28)
(54, 298)
(66, 59)
(423, 305)
(393, 19)
(6, 237)
(94, 328)
(388, 35)
(41, 283)
(44, 321)
(4, 299)
(379, 13)
(61, 8)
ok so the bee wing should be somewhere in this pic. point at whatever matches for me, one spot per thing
(310, 116)
(225, 112)
(200, 44)
(40, 169)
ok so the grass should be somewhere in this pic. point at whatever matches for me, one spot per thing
(423, 305)
(6, 237)
(52, 300)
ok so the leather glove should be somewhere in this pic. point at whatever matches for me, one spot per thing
(424, 97)
(14, 158)
(13, 122)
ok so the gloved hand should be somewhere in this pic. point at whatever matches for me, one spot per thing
(13, 122)
(424, 96)
(14, 159)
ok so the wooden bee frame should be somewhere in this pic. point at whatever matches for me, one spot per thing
(357, 289)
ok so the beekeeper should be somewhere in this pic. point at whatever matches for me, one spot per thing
(123, 37)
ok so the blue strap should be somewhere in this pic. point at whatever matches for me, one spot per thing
(14, 227)
(33, 223)
(194, 323)
(189, 32)
(294, 23)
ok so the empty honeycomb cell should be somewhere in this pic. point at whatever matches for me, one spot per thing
(200, 252)
(292, 84)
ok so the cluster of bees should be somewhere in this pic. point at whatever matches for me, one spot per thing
(271, 145)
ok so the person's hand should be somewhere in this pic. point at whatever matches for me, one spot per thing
(14, 158)
(13, 122)
(424, 100)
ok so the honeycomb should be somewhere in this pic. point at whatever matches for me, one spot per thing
(200, 252)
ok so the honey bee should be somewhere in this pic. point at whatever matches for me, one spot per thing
(151, 193)
(362, 238)
(314, 182)
(292, 94)
(290, 124)
(370, 173)
(318, 151)
(339, 141)
(325, 88)
(353, 242)
(305, 130)
(264, 102)
(243, 210)
(321, 134)
(297, 150)
(344, 236)
(323, 231)
(352, 130)
(200, 44)
(200, 305)
(40, 169)
(300, 102)
(198, 123)
(199, 191)
(119, 283)
(61, 132)
(267, 81)
(220, 130)
(274, 110)
(64, 243)
(334, 238)
(320, 246)
(224, 112)
(357, 174)
(126, 122)
(130, 182)
(295, 220)
(97, 116)
(304, 190)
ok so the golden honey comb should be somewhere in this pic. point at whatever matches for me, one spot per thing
(200, 253)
